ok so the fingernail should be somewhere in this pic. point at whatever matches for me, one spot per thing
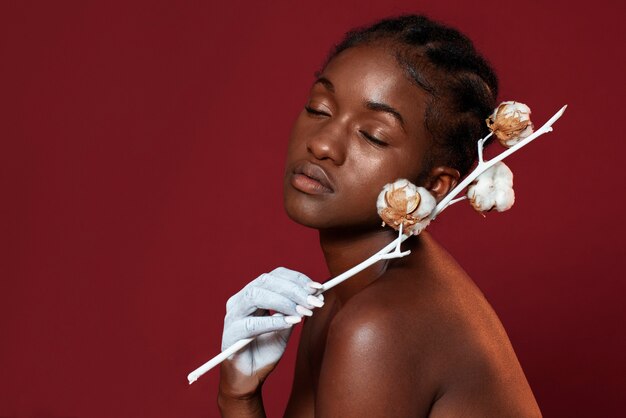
(292, 319)
(304, 311)
(312, 300)
(315, 285)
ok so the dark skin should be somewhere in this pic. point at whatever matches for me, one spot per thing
(404, 338)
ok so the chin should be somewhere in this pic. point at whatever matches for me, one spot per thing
(322, 217)
(328, 211)
(304, 215)
(303, 209)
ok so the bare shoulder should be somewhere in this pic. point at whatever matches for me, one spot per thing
(429, 332)
(366, 369)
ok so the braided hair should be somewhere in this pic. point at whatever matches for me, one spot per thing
(461, 85)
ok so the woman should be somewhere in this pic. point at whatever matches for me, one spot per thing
(404, 98)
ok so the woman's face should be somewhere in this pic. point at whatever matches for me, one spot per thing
(362, 127)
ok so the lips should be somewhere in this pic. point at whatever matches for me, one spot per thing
(311, 179)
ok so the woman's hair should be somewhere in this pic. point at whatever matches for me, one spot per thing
(461, 85)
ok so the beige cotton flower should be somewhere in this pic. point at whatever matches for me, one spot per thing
(401, 202)
(510, 123)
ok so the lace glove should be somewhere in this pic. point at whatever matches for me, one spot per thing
(286, 292)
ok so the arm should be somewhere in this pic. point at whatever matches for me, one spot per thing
(251, 407)
(248, 315)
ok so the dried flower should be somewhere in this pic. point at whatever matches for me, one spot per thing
(401, 202)
(510, 122)
(493, 189)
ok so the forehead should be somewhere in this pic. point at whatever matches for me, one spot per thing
(369, 73)
(373, 73)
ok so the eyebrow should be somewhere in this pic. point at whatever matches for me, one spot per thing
(383, 107)
(375, 106)
(326, 83)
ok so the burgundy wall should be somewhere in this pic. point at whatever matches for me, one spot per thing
(140, 172)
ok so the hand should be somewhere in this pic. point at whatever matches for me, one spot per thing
(290, 295)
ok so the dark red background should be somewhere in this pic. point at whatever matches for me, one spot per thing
(140, 171)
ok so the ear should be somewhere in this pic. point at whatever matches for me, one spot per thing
(442, 180)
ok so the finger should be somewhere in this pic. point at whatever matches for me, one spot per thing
(289, 289)
(297, 277)
(247, 300)
(286, 333)
(253, 298)
(261, 281)
(252, 326)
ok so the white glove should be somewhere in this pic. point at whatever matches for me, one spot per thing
(284, 291)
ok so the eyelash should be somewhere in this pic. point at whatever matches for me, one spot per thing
(315, 112)
(377, 142)
(373, 139)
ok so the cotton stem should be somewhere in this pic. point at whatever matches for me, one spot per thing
(481, 145)
(453, 201)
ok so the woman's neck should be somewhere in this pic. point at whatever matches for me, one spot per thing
(343, 251)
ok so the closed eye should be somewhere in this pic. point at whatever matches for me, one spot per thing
(316, 112)
(373, 139)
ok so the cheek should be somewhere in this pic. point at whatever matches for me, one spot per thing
(364, 176)
(381, 166)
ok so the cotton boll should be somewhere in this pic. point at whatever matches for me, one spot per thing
(403, 203)
(481, 199)
(480, 193)
(426, 205)
(510, 123)
(504, 199)
(419, 226)
(502, 175)
(381, 203)
(401, 195)
(511, 108)
(493, 189)
(423, 211)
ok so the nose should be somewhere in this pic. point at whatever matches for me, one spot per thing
(329, 143)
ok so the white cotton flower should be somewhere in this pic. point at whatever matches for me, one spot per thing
(401, 202)
(510, 123)
(418, 227)
(493, 189)
(427, 205)
(402, 195)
